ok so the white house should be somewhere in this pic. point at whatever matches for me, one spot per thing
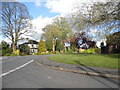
(33, 45)
(99, 42)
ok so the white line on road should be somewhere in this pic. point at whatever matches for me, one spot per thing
(16, 68)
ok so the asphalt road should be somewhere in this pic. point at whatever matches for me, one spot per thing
(22, 72)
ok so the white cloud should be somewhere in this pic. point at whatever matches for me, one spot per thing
(65, 7)
(59, 6)
(37, 2)
(38, 24)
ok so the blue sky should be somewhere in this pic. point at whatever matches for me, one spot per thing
(36, 11)
(43, 13)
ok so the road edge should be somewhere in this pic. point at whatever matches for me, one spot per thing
(79, 72)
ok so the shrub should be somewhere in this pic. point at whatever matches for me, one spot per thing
(97, 50)
(6, 52)
(13, 54)
(24, 48)
(91, 50)
(41, 47)
(69, 51)
(17, 52)
(23, 54)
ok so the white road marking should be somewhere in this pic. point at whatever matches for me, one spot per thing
(49, 77)
(16, 68)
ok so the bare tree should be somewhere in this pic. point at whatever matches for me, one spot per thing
(15, 21)
(101, 15)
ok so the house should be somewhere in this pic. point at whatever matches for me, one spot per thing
(67, 44)
(33, 46)
(80, 43)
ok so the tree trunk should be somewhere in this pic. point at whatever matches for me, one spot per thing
(53, 48)
(13, 47)
(54, 44)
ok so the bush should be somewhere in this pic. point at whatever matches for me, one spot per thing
(57, 52)
(13, 54)
(17, 52)
(51, 52)
(6, 52)
(91, 50)
(69, 51)
(22, 54)
(97, 50)
(42, 53)
(41, 47)
(85, 51)
(24, 48)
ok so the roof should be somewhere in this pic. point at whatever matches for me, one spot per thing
(68, 40)
(31, 42)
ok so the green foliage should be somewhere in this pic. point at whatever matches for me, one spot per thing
(56, 32)
(17, 52)
(69, 51)
(59, 45)
(48, 44)
(24, 48)
(13, 54)
(41, 47)
(91, 50)
(97, 50)
(73, 48)
(114, 38)
(5, 49)
(22, 54)
(64, 26)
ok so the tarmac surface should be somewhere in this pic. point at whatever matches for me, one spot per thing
(39, 72)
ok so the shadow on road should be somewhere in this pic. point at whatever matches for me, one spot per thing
(95, 71)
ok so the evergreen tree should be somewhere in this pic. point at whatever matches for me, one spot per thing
(41, 47)
(5, 48)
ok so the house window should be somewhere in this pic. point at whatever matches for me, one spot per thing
(32, 45)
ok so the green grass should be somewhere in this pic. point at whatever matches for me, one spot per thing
(98, 60)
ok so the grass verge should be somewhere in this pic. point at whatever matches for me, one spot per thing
(95, 60)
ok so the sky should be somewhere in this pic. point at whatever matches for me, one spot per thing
(44, 11)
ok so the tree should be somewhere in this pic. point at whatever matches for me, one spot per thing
(59, 45)
(15, 21)
(65, 29)
(24, 48)
(48, 44)
(6, 50)
(64, 26)
(113, 43)
(52, 33)
(100, 16)
(82, 41)
(41, 47)
(56, 32)
(114, 38)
